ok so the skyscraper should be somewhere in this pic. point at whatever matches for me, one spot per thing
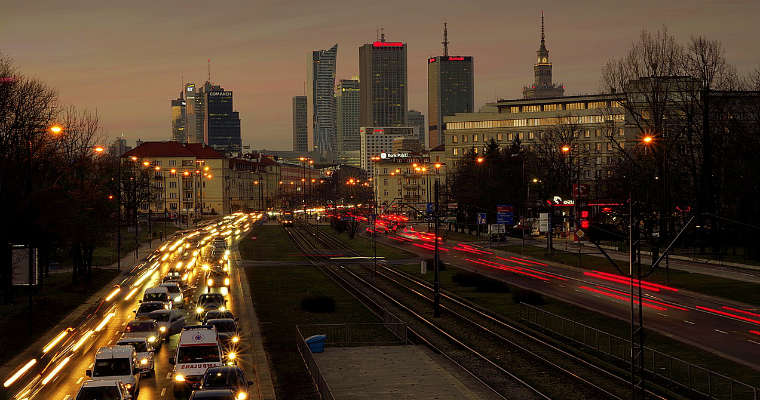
(451, 89)
(300, 125)
(416, 120)
(321, 84)
(543, 86)
(222, 124)
(383, 83)
(347, 115)
(179, 119)
(195, 113)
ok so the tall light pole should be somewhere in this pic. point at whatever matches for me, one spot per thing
(436, 256)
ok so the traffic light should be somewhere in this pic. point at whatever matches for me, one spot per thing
(584, 218)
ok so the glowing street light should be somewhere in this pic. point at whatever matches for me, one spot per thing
(565, 148)
(480, 160)
(647, 139)
(56, 130)
(99, 149)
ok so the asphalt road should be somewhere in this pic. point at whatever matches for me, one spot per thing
(66, 383)
(720, 326)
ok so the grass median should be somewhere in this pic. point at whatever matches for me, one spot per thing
(503, 299)
(745, 292)
(269, 242)
(50, 304)
(363, 245)
(288, 295)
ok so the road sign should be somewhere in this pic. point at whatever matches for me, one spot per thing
(543, 222)
(580, 233)
(24, 266)
(430, 208)
(497, 229)
(505, 214)
(482, 218)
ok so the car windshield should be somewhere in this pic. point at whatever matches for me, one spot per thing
(146, 308)
(223, 326)
(172, 289)
(154, 297)
(111, 367)
(219, 378)
(212, 396)
(216, 314)
(141, 326)
(211, 298)
(160, 316)
(189, 354)
(99, 393)
(140, 347)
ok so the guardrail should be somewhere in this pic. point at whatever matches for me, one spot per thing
(700, 380)
(319, 381)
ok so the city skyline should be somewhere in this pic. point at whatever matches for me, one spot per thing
(505, 53)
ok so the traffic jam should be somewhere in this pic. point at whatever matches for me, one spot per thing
(168, 328)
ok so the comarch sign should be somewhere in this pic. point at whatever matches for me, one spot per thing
(393, 155)
(219, 94)
(558, 202)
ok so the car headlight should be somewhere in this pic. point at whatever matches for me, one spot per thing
(128, 385)
(227, 281)
(151, 339)
(241, 396)
(222, 308)
(231, 355)
(178, 299)
(144, 361)
(199, 310)
(210, 282)
(179, 378)
(235, 339)
(162, 329)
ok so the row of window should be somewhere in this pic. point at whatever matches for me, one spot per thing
(587, 133)
(516, 123)
(591, 105)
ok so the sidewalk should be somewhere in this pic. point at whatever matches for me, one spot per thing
(75, 316)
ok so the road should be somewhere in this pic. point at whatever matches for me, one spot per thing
(722, 327)
(72, 360)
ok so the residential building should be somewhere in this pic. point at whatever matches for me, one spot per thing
(406, 180)
(347, 102)
(300, 125)
(383, 83)
(542, 86)
(416, 120)
(222, 124)
(195, 113)
(178, 119)
(377, 140)
(322, 107)
(451, 89)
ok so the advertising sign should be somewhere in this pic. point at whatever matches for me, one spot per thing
(543, 222)
(505, 214)
(482, 218)
(22, 259)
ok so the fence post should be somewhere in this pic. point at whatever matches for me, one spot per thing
(348, 335)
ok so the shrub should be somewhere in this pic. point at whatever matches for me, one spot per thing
(318, 304)
(528, 297)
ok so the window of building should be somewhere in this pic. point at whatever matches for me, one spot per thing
(575, 134)
(385, 170)
(187, 163)
(575, 106)
(596, 104)
(464, 138)
(511, 137)
(456, 152)
(172, 185)
(172, 195)
(173, 206)
(454, 139)
(530, 135)
(500, 136)
(475, 138)
(172, 163)
(533, 108)
(609, 146)
(587, 146)
(598, 147)
(475, 150)
(514, 109)
(385, 181)
(550, 107)
(621, 132)
(385, 193)
(587, 133)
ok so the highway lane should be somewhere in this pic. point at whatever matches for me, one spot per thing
(723, 327)
(67, 368)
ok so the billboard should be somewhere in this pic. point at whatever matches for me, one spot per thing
(22, 260)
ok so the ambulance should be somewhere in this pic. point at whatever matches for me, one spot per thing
(198, 349)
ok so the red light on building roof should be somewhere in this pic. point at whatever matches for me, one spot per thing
(388, 44)
(456, 58)
(431, 60)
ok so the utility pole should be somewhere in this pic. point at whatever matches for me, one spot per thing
(436, 278)
(118, 214)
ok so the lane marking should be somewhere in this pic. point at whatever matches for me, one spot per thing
(752, 341)
(718, 330)
(163, 392)
(688, 322)
(664, 315)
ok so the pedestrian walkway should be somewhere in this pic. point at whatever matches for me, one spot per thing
(394, 372)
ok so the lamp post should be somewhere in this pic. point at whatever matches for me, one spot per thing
(436, 256)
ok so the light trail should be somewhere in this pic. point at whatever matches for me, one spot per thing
(131, 293)
(113, 293)
(56, 370)
(55, 340)
(82, 340)
(19, 373)
(105, 320)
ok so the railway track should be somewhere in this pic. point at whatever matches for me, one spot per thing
(509, 360)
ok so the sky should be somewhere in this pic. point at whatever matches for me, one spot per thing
(127, 59)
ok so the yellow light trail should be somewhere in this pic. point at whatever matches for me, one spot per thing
(131, 293)
(82, 340)
(19, 373)
(56, 370)
(113, 293)
(105, 320)
(55, 340)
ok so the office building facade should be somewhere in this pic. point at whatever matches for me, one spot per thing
(347, 104)
(383, 84)
(195, 113)
(222, 123)
(179, 119)
(451, 90)
(322, 107)
(542, 86)
(378, 140)
(416, 120)
(300, 124)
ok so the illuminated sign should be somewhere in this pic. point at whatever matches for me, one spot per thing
(387, 44)
(217, 94)
(431, 60)
(558, 202)
(385, 156)
(190, 89)
(456, 58)
(378, 130)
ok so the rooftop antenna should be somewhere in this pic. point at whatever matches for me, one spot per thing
(209, 70)
(377, 33)
(445, 42)
(182, 85)
(382, 34)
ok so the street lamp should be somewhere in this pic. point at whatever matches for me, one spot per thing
(56, 130)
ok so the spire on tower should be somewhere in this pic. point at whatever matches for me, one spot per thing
(382, 34)
(209, 70)
(445, 42)
(542, 26)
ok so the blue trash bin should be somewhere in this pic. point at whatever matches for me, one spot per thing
(316, 343)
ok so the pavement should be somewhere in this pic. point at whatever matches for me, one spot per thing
(727, 328)
(393, 372)
(66, 383)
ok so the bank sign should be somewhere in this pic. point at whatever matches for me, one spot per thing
(385, 156)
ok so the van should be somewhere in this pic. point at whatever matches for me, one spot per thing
(197, 350)
(117, 363)
(158, 293)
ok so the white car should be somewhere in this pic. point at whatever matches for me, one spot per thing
(144, 328)
(117, 363)
(144, 350)
(170, 322)
(103, 389)
(158, 293)
(175, 292)
(148, 307)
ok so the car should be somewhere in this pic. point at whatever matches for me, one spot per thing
(144, 351)
(148, 307)
(169, 322)
(227, 328)
(216, 277)
(117, 363)
(175, 292)
(213, 395)
(216, 314)
(108, 389)
(229, 377)
(144, 328)
(209, 301)
(197, 350)
(158, 293)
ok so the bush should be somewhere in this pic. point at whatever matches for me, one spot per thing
(318, 304)
(480, 283)
(528, 297)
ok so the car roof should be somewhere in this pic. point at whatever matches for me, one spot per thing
(114, 351)
(100, 383)
(132, 339)
(211, 321)
(223, 368)
(211, 394)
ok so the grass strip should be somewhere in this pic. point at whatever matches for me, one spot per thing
(269, 242)
(363, 245)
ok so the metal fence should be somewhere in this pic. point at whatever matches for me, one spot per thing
(678, 372)
(319, 381)
(369, 334)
